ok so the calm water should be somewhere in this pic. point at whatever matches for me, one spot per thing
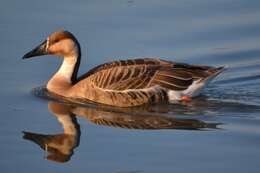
(217, 132)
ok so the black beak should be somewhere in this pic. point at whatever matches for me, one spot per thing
(38, 51)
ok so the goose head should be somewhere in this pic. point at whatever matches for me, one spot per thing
(60, 43)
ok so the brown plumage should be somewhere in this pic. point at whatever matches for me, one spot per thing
(121, 83)
(138, 81)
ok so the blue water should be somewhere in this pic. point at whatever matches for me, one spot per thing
(224, 32)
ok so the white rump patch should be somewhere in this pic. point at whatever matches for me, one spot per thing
(174, 95)
(194, 90)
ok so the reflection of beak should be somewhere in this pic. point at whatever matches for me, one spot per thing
(38, 51)
(37, 138)
(54, 153)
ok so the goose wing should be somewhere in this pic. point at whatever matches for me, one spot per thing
(139, 74)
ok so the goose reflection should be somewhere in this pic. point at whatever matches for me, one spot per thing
(59, 147)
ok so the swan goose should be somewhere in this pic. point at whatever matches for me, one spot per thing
(122, 83)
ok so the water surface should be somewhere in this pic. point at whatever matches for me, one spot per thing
(217, 132)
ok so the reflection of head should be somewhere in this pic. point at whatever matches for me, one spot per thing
(59, 147)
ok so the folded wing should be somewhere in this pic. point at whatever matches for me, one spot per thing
(141, 75)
